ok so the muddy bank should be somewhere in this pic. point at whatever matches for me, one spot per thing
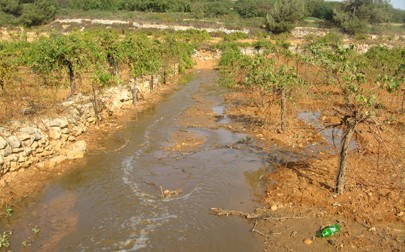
(41, 147)
(300, 196)
(114, 196)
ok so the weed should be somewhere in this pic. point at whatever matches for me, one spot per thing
(244, 140)
(26, 243)
(9, 211)
(36, 230)
(4, 239)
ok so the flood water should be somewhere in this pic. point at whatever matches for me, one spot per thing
(110, 201)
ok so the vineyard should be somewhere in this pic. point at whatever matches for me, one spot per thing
(36, 75)
(355, 102)
(329, 119)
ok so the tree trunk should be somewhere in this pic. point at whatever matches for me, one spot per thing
(72, 78)
(283, 108)
(135, 91)
(113, 67)
(151, 83)
(95, 105)
(164, 76)
(350, 125)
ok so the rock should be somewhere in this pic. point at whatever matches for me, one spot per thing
(17, 150)
(8, 150)
(58, 159)
(50, 164)
(76, 150)
(27, 151)
(39, 165)
(22, 158)
(54, 133)
(29, 130)
(34, 145)
(14, 166)
(3, 143)
(5, 132)
(1, 160)
(23, 136)
(26, 164)
(14, 142)
(28, 142)
(308, 242)
(61, 123)
(71, 138)
(274, 208)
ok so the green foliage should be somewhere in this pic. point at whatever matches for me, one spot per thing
(4, 239)
(320, 9)
(36, 230)
(252, 8)
(156, 5)
(284, 15)
(9, 211)
(355, 15)
(8, 64)
(233, 65)
(60, 52)
(235, 36)
(38, 12)
(94, 4)
(29, 12)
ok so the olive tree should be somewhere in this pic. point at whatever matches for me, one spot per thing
(284, 15)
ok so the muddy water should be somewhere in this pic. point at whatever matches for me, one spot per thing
(111, 202)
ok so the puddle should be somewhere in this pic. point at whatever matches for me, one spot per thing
(331, 136)
(222, 117)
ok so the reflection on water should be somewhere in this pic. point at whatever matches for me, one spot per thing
(332, 136)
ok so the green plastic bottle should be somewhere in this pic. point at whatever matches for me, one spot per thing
(329, 231)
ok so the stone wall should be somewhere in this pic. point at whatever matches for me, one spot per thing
(45, 142)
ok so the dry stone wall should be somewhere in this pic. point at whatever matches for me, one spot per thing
(45, 142)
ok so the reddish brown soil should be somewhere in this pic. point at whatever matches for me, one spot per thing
(300, 193)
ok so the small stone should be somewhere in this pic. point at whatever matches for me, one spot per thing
(54, 133)
(14, 142)
(39, 165)
(71, 138)
(23, 136)
(60, 123)
(3, 143)
(308, 242)
(274, 208)
(58, 159)
(27, 151)
(400, 214)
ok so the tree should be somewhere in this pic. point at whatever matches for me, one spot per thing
(355, 15)
(8, 65)
(252, 8)
(63, 52)
(285, 15)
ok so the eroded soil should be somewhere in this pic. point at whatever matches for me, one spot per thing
(300, 194)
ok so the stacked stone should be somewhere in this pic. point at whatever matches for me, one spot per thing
(46, 142)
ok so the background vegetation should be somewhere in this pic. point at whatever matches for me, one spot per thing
(351, 16)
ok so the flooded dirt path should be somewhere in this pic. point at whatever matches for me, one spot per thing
(111, 201)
